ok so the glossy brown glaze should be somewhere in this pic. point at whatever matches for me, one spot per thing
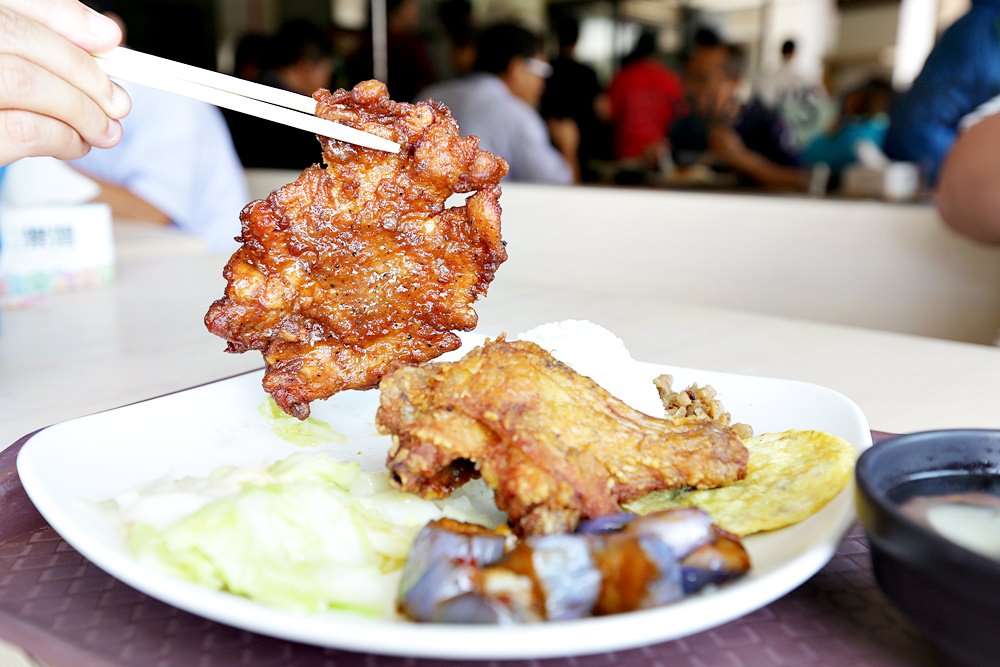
(359, 265)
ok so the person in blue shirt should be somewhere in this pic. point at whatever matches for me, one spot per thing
(175, 164)
(961, 73)
(498, 103)
(54, 99)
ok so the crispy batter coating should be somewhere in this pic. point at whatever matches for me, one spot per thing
(554, 445)
(358, 266)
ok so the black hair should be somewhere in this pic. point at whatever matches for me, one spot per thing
(871, 97)
(705, 36)
(456, 18)
(250, 51)
(736, 58)
(702, 38)
(644, 47)
(788, 47)
(296, 40)
(498, 45)
(567, 30)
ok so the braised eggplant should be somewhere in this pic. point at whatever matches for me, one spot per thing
(457, 573)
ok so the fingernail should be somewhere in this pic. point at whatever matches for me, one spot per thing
(113, 131)
(121, 104)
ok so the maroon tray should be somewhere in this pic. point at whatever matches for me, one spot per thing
(65, 612)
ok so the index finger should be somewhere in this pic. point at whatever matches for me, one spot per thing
(33, 40)
(76, 22)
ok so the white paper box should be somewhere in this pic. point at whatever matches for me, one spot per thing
(896, 181)
(49, 249)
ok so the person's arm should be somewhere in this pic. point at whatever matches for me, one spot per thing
(126, 205)
(968, 194)
(728, 148)
(566, 138)
(54, 98)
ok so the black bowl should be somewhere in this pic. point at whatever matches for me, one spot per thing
(949, 593)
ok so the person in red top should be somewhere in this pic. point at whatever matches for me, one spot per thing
(645, 97)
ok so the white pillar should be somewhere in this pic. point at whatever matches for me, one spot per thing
(811, 23)
(380, 42)
(914, 39)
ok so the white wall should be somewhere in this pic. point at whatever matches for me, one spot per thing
(811, 23)
(862, 263)
(867, 30)
(528, 12)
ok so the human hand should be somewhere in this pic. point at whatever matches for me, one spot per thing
(54, 99)
(726, 145)
(652, 155)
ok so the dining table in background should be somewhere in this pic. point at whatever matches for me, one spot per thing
(80, 352)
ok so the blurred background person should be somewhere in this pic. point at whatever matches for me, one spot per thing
(408, 61)
(864, 117)
(961, 73)
(645, 97)
(455, 17)
(801, 100)
(175, 164)
(297, 58)
(249, 56)
(783, 81)
(498, 103)
(574, 92)
(747, 138)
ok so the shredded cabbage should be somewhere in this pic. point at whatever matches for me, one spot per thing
(308, 533)
(308, 432)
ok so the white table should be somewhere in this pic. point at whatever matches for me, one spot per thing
(77, 353)
(82, 352)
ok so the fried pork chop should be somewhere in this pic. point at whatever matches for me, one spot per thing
(554, 445)
(359, 265)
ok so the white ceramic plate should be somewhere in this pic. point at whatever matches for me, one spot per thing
(69, 469)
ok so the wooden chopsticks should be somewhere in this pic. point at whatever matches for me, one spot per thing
(228, 92)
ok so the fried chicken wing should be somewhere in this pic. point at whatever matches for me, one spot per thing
(554, 445)
(359, 265)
